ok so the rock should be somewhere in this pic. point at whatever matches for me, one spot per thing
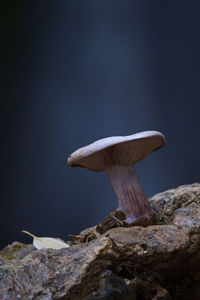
(159, 261)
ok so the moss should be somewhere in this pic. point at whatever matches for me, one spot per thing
(10, 252)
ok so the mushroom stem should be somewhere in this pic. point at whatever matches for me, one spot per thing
(131, 197)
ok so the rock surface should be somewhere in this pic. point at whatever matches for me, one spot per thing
(160, 261)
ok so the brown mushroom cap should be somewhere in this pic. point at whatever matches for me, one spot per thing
(117, 150)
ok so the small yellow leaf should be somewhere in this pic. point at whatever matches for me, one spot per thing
(46, 242)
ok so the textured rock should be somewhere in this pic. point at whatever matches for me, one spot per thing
(160, 261)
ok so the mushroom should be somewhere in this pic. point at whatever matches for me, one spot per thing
(117, 156)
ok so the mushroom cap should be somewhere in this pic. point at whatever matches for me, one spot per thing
(116, 150)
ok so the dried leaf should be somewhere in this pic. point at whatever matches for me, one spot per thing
(75, 237)
(46, 242)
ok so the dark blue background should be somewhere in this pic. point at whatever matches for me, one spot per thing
(76, 71)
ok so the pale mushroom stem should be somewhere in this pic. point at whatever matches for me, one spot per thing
(131, 197)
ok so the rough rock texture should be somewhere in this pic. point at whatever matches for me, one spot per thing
(159, 261)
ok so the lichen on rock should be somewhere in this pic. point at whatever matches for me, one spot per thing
(159, 261)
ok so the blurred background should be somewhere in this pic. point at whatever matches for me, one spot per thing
(73, 72)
